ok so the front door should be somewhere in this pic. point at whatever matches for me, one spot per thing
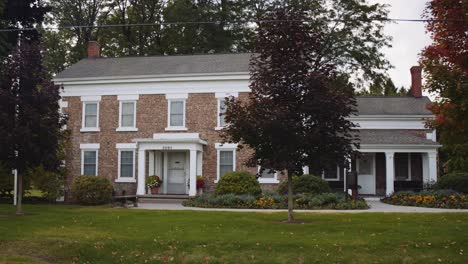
(177, 176)
(366, 173)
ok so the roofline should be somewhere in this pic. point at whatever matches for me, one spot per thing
(389, 117)
(157, 76)
(398, 146)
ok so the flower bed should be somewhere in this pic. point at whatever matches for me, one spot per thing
(276, 201)
(433, 199)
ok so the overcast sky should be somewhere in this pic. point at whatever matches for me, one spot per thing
(409, 38)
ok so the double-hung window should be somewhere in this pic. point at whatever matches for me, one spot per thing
(268, 176)
(90, 114)
(176, 111)
(226, 158)
(331, 174)
(126, 162)
(221, 111)
(89, 159)
(127, 113)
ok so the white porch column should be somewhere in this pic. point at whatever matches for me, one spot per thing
(432, 162)
(141, 172)
(193, 173)
(151, 164)
(390, 172)
(200, 163)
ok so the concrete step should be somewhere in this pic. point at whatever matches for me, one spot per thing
(160, 201)
(164, 196)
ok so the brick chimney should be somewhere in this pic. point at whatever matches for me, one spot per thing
(94, 50)
(416, 81)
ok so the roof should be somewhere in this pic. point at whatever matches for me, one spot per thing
(392, 105)
(394, 137)
(157, 65)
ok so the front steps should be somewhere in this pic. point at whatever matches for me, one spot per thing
(162, 198)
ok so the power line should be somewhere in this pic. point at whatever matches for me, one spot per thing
(231, 23)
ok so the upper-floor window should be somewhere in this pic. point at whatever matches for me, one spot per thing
(176, 111)
(90, 116)
(127, 113)
(221, 111)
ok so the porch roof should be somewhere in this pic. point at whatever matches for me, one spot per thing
(173, 138)
(395, 137)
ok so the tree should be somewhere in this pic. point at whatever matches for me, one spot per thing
(445, 66)
(30, 120)
(383, 86)
(297, 108)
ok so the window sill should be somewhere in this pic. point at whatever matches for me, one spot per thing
(130, 180)
(127, 129)
(216, 181)
(331, 179)
(176, 129)
(267, 181)
(90, 129)
(219, 128)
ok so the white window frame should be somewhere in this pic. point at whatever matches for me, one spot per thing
(225, 147)
(89, 147)
(90, 100)
(265, 180)
(409, 168)
(176, 98)
(126, 147)
(128, 99)
(333, 179)
(221, 97)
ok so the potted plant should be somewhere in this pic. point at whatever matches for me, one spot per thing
(200, 184)
(154, 182)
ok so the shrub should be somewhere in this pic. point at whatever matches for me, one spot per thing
(91, 190)
(238, 182)
(50, 183)
(6, 181)
(457, 181)
(306, 183)
(435, 199)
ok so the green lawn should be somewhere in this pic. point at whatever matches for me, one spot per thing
(68, 234)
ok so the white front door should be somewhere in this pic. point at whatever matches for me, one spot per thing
(366, 173)
(176, 173)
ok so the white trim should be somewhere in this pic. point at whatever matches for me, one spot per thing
(267, 180)
(226, 145)
(126, 145)
(63, 104)
(159, 77)
(333, 179)
(129, 128)
(125, 179)
(218, 114)
(175, 96)
(91, 98)
(90, 146)
(223, 95)
(128, 97)
(83, 116)
(176, 128)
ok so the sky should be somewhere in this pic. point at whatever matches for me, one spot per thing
(409, 38)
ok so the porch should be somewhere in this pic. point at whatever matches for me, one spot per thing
(175, 157)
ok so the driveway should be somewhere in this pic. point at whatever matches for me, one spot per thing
(376, 206)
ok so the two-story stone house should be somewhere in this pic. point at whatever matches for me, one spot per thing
(132, 117)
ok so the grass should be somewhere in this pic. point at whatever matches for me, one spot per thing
(74, 234)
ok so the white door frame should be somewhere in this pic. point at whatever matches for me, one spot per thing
(166, 169)
(372, 175)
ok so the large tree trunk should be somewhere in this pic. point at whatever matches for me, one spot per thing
(290, 199)
(19, 205)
